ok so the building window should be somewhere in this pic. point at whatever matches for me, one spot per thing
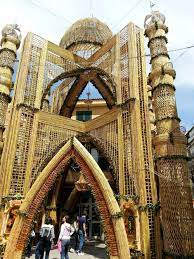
(83, 115)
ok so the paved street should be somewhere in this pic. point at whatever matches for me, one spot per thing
(91, 250)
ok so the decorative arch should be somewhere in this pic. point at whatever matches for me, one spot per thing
(107, 204)
(84, 137)
(100, 79)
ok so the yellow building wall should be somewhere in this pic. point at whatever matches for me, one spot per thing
(98, 107)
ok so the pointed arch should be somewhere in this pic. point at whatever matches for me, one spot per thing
(107, 204)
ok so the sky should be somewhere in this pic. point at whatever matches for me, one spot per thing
(50, 19)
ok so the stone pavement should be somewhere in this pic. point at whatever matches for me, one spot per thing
(92, 250)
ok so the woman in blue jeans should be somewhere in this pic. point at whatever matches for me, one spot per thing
(66, 231)
(46, 237)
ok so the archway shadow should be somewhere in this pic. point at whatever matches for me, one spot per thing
(92, 250)
(96, 249)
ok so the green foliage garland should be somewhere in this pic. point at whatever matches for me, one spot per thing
(134, 197)
(117, 215)
(150, 207)
(136, 254)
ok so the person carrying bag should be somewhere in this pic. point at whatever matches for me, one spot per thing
(65, 233)
(46, 237)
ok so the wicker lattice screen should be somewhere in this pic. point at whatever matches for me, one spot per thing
(22, 151)
(176, 214)
(148, 163)
(49, 139)
(107, 134)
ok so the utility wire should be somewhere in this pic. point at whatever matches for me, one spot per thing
(146, 55)
(49, 11)
(188, 47)
(131, 10)
(172, 50)
(180, 55)
(126, 15)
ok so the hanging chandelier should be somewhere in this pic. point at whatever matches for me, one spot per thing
(81, 185)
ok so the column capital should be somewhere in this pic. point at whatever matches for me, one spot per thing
(11, 34)
(155, 22)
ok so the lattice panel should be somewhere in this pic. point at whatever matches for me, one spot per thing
(49, 138)
(143, 111)
(129, 169)
(85, 50)
(108, 136)
(106, 62)
(52, 70)
(55, 65)
(3, 109)
(164, 102)
(21, 155)
(124, 64)
(176, 207)
(33, 70)
(144, 132)
(109, 83)
(60, 93)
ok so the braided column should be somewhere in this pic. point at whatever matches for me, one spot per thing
(10, 43)
(170, 146)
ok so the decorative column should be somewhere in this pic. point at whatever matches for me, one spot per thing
(10, 42)
(170, 147)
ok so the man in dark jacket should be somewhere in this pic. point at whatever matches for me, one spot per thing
(46, 237)
(81, 226)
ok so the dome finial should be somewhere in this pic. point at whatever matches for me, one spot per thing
(154, 17)
(12, 33)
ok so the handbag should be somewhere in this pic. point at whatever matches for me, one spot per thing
(59, 246)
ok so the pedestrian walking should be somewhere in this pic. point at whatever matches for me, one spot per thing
(81, 226)
(29, 246)
(46, 237)
(65, 233)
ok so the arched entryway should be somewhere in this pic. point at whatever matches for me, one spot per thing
(110, 212)
(80, 78)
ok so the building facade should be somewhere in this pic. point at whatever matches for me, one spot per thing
(138, 180)
(190, 147)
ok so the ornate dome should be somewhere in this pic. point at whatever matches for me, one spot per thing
(86, 34)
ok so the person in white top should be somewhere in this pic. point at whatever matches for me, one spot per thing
(66, 231)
